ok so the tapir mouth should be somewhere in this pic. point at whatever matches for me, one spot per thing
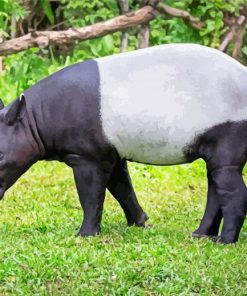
(2, 191)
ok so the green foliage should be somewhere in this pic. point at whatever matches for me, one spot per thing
(212, 14)
(81, 13)
(46, 5)
(40, 254)
(97, 47)
(24, 69)
(174, 30)
(7, 9)
(244, 48)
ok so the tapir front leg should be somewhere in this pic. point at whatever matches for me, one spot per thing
(91, 180)
(121, 188)
(211, 220)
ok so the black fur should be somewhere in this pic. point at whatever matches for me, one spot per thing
(60, 120)
(224, 148)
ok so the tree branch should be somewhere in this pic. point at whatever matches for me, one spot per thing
(142, 16)
(44, 38)
(235, 35)
(227, 39)
(193, 21)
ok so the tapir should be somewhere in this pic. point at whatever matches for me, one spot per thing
(163, 105)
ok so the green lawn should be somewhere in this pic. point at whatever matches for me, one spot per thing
(40, 255)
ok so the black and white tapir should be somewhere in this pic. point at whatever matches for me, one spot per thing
(163, 105)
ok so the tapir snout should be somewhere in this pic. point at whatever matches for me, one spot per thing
(2, 192)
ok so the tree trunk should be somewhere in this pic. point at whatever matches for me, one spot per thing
(144, 32)
(234, 35)
(144, 36)
(123, 9)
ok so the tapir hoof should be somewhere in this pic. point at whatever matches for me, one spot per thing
(199, 235)
(140, 222)
(88, 232)
(205, 233)
(226, 240)
(214, 238)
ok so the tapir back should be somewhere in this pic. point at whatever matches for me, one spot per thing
(156, 101)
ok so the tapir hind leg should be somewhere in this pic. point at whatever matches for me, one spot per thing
(121, 188)
(227, 197)
(224, 150)
(211, 220)
(232, 196)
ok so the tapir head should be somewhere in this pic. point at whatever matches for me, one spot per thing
(16, 152)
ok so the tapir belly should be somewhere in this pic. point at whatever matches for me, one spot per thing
(155, 103)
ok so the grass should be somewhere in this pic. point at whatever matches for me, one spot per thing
(40, 255)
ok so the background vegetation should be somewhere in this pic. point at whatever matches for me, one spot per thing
(17, 18)
(39, 254)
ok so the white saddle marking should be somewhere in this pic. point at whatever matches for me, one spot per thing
(155, 101)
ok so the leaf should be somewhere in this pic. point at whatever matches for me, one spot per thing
(112, 5)
(11, 278)
(107, 43)
(244, 50)
(47, 10)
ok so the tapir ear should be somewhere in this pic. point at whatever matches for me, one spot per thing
(1, 104)
(15, 110)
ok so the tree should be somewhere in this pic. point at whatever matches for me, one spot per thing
(40, 36)
(216, 19)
